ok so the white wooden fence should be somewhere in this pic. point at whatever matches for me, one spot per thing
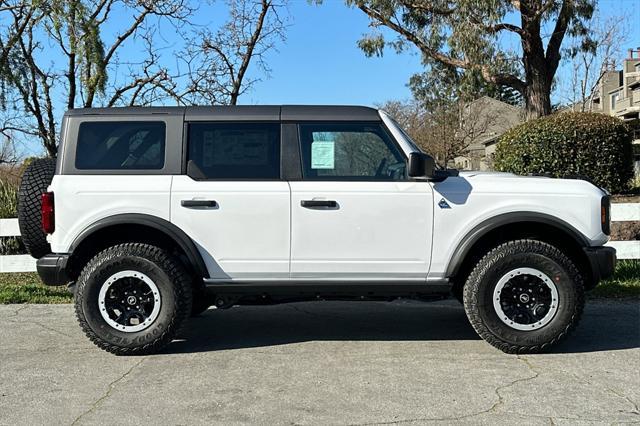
(620, 212)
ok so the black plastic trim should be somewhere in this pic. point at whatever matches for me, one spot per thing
(495, 222)
(52, 269)
(325, 288)
(602, 261)
(290, 163)
(168, 228)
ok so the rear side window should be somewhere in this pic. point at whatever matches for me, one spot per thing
(235, 150)
(121, 145)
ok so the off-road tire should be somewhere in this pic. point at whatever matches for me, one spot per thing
(173, 282)
(35, 180)
(479, 287)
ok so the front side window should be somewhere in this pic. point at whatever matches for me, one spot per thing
(235, 150)
(349, 152)
(121, 145)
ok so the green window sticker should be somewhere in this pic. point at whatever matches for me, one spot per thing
(322, 155)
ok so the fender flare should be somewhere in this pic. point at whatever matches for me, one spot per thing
(482, 229)
(169, 229)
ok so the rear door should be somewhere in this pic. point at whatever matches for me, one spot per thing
(232, 202)
(355, 215)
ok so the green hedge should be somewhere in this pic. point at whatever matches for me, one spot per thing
(592, 145)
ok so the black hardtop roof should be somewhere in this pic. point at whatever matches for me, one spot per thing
(243, 112)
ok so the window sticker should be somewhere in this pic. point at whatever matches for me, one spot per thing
(323, 152)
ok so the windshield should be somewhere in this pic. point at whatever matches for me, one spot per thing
(414, 146)
(398, 127)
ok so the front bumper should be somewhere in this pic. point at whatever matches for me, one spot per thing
(52, 269)
(602, 261)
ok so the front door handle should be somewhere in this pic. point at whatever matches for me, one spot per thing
(310, 204)
(211, 204)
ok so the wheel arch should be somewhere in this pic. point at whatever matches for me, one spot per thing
(134, 227)
(509, 226)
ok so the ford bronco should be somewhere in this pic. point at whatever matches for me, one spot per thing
(154, 214)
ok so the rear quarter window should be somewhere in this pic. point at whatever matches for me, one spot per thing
(121, 145)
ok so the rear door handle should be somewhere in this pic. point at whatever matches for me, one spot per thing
(310, 204)
(199, 203)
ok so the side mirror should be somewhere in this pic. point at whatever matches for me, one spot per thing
(421, 165)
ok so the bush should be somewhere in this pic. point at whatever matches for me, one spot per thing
(8, 199)
(9, 209)
(591, 145)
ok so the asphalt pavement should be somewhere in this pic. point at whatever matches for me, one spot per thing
(320, 363)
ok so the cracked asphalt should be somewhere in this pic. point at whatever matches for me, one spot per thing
(320, 363)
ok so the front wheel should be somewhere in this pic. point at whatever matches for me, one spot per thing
(131, 299)
(524, 296)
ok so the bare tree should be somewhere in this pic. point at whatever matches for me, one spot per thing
(54, 56)
(8, 153)
(34, 32)
(445, 129)
(590, 61)
(217, 63)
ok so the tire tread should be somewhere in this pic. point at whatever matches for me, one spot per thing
(182, 292)
(471, 293)
(35, 180)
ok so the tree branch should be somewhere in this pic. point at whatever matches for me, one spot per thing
(504, 27)
(246, 59)
(487, 73)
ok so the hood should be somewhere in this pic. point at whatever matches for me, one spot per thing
(509, 183)
(472, 173)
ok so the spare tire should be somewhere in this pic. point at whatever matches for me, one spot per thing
(35, 180)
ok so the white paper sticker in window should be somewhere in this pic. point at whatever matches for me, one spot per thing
(322, 155)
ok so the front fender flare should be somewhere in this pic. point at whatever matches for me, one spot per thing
(473, 236)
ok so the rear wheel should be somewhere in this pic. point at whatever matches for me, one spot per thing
(132, 299)
(524, 296)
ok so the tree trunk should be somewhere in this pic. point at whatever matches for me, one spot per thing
(538, 78)
(537, 97)
(537, 94)
(51, 147)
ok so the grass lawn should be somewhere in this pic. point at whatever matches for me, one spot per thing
(625, 283)
(27, 288)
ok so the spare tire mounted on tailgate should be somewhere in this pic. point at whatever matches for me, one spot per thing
(35, 180)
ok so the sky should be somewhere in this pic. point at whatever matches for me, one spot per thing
(320, 63)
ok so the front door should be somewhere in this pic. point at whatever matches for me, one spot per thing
(355, 215)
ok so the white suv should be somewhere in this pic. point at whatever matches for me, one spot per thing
(154, 214)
